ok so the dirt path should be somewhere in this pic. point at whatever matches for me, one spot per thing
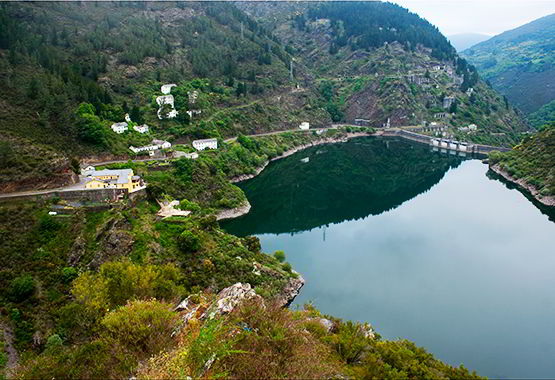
(13, 357)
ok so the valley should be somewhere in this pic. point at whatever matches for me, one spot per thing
(265, 190)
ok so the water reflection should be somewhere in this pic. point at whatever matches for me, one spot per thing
(464, 269)
(334, 183)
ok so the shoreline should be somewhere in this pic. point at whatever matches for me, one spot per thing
(544, 200)
(234, 212)
(287, 153)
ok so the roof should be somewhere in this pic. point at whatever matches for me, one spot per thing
(205, 140)
(122, 124)
(122, 174)
(158, 142)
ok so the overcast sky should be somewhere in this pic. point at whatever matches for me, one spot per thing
(478, 16)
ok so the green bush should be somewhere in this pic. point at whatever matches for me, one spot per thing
(22, 288)
(287, 267)
(188, 242)
(349, 342)
(280, 256)
(117, 282)
(190, 206)
(143, 326)
(54, 342)
(69, 274)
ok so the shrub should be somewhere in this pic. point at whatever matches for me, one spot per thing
(188, 242)
(53, 343)
(143, 326)
(272, 345)
(252, 243)
(117, 282)
(286, 267)
(190, 206)
(280, 256)
(22, 287)
(349, 342)
(47, 224)
(69, 274)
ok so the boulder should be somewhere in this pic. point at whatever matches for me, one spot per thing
(225, 302)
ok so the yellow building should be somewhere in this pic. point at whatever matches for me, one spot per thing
(113, 179)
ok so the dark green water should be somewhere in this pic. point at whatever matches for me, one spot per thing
(423, 245)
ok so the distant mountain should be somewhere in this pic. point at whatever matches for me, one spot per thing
(520, 63)
(465, 40)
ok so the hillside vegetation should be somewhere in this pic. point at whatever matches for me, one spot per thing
(91, 293)
(520, 63)
(350, 61)
(532, 161)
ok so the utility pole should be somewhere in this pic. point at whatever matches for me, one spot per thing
(242, 35)
(291, 69)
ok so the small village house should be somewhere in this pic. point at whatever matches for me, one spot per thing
(167, 88)
(154, 145)
(141, 128)
(119, 127)
(304, 126)
(205, 143)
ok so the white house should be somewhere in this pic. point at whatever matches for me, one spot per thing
(191, 156)
(472, 127)
(119, 127)
(162, 144)
(141, 128)
(127, 118)
(304, 125)
(166, 99)
(166, 88)
(155, 145)
(206, 143)
(87, 170)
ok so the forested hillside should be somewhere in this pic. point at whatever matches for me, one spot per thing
(520, 63)
(531, 163)
(349, 61)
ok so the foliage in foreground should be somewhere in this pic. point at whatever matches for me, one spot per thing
(265, 341)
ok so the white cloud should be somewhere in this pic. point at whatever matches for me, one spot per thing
(478, 16)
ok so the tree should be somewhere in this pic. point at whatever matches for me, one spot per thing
(22, 287)
(280, 256)
(453, 108)
(136, 115)
(188, 242)
(75, 165)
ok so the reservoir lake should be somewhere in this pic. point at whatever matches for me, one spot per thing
(424, 245)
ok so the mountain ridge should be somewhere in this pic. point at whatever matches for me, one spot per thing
(519, 63)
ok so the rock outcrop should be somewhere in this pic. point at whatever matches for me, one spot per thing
(225, 302)
(291, 290)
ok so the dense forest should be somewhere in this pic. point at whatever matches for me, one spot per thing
(371, 24)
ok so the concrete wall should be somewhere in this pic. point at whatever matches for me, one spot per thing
(93, 195)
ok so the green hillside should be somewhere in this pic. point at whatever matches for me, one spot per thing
(520, 63)
(351, 61)
(543, 116)
(532, 161)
